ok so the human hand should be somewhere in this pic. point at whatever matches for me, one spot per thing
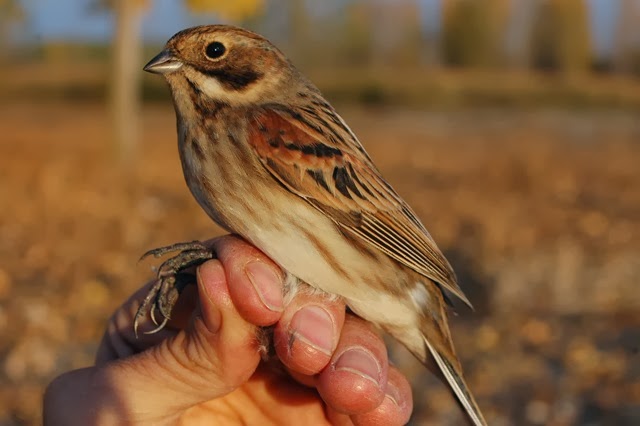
(204, 367)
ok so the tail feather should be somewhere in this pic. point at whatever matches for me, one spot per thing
(458, 385)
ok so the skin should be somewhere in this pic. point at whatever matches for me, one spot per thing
(204, 368)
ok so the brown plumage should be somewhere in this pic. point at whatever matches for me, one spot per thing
(268, 158)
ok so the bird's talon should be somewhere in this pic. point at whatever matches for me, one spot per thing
(158, 328)
(170, 282)
(152, 315)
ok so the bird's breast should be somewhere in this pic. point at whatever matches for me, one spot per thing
(243, 198)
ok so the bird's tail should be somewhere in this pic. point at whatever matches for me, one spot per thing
(458, 385)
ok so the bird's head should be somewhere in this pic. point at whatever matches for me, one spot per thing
(224, 64)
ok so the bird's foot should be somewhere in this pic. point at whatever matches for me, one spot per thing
(170, 281)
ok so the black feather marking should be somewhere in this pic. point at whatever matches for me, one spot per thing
(194, 88)
(197, 149)
(308, 149)
(236, 79)
(345, 184)
(319, 150)
(318, 176)
(323, 150)
(341, 177)
(299, 117)
(233, 138)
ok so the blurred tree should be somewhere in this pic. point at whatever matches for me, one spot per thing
(320, 43)
(626, 54)
(11, 13)
(126, 75)
(544, 50)
(358, 28)
(235, 11)
(499, 12)
(274, 22)
(518, 34)
(396, 35)
(124, 84)
(473, 31)
(430, 23)
(298, 26)
(560, 37)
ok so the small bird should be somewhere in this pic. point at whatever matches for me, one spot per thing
(269, 159)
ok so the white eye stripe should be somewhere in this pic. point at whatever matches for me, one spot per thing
(210, 87)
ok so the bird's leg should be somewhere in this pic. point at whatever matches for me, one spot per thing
(170, 280)
(161, 251)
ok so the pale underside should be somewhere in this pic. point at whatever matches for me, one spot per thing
(283, 230)
(299, 256)
(245, 196)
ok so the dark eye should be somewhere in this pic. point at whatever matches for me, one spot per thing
(215, 50)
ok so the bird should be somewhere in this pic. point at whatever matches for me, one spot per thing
(269, 159)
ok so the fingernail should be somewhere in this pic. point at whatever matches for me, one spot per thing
(361, 362)
(267, 283)
(211, 279)
(393, 394)
(313, 326)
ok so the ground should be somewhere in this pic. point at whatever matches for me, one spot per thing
(539, 212)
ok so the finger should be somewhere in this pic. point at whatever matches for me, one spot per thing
(338, 419)
(256, 287)
(245, 266)
(308, 332)
(213, 356)
(119, 340)
(354, 382)
(231, 343)
(396, 406)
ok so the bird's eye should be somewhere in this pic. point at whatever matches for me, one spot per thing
(215, 50)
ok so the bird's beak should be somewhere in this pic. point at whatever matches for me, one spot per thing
(163, 63)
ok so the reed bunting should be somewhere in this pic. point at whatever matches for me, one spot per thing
(268, 158)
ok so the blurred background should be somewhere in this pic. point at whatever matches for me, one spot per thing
(511, 126)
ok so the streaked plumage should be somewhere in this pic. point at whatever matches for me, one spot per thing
(268, 158)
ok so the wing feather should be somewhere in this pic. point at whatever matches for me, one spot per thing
(340, 180)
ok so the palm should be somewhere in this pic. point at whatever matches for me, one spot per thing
(269, 397)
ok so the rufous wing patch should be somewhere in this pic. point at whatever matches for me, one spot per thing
(344, 184)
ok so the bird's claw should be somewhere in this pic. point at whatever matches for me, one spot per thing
(170, 281)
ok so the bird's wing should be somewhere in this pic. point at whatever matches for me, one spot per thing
(324, 163)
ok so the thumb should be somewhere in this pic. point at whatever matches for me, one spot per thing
(215, 354)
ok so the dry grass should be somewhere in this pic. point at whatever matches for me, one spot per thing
(539, 213)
